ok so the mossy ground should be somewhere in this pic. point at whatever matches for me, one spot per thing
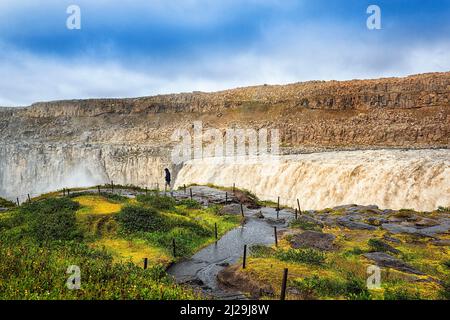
(344, 273)
(85, 230)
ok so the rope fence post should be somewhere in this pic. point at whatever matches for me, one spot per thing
(145, 263)
(276, 236)
(283, 285)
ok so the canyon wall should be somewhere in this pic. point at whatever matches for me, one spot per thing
(80, 142)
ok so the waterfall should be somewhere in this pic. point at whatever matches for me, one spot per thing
(394, 179)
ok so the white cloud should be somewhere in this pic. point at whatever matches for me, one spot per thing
(283, 55)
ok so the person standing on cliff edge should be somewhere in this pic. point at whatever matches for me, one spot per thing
(167, 179)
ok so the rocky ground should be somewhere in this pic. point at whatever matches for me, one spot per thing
(328, 253)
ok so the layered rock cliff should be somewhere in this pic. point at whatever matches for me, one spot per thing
(128, 140)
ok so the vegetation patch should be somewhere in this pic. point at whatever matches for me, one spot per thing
(97, 205)
(308, 256)
(6, 203)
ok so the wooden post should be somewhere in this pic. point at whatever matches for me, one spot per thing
(226, 197)
(234, 188)
(145, 263)
(29, 199)
(278, 208)
(190, 191)
(64, 192)
(283, 285)
(299, 210)
(296, 216)
(112, 186)
(98, 188)
(244, 260)
(68, 192)
(18, 203)
(276, 236)
(242, 210)
(174, 248)
(184, 187)
(215, 231)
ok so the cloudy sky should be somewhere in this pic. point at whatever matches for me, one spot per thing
(145, 47)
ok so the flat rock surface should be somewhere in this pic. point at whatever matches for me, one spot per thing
(312, 239)
(385, 260)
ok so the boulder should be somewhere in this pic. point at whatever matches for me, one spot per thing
(313, 239)
(385, 260)
(350, 223)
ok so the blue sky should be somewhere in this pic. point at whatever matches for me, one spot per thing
(146, 47)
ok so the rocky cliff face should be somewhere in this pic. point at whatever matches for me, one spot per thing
(128, 140)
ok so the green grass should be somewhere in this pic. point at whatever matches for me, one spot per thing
(6, 203)
(314, 287)
(40, 239)
(308, 256)
(305, 225)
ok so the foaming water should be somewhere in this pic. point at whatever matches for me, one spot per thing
(395, 179)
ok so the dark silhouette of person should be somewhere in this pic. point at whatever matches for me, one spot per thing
(168, 178)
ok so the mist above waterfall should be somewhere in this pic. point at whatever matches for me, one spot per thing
(395, 179)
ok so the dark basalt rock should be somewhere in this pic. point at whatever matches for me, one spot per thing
(385, 260)
(313, 239)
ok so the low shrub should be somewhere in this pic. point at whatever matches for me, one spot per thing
(190, 204)
(6, 203)
(400, 294)
(157, 201)
(305, 225)
(261, 251)
(446, 263)
(315, 287)
(51, 219)
(139, 219)
(309, 256)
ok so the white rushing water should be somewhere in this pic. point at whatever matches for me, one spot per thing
(395, 179)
